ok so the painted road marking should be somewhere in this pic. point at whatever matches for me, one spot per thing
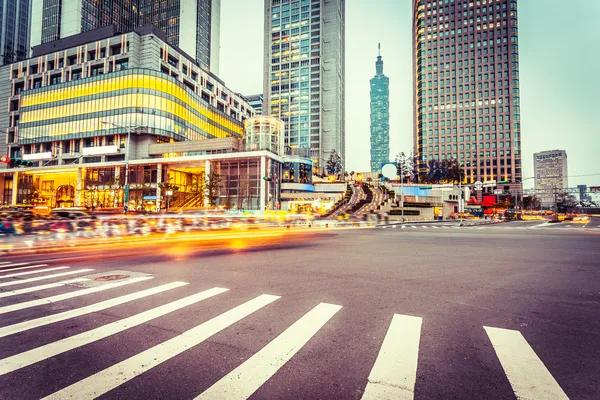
(395, 370)
(243, 381)
(77, 312)
(32, 272)
(70, 295)
(22, 268)
(414, 226)
(42, 287)
(33, 356)
(98, 384)
(7, 264)
(40, 278)
(403, 227)
(424, 227)
(435, 227)
(526, 373)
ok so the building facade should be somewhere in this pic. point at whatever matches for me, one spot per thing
(84, 107)
(14, 30)
(466, 87)
(304, 74)
(380, 117)
(198, 19)
(256, 101)
(551, 175)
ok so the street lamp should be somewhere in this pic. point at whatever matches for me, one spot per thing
(126, 188)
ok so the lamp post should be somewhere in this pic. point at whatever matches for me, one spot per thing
(126, 187)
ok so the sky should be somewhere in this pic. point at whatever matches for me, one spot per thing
(559, 55)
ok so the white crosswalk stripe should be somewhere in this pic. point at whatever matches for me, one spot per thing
(41, 278)
(413, 226)
(112, 377)
(527, 374)
(22, 268)
(8, 264)
(435, 227)
(424, 227)
(70, 295)
(53, 349)
(42, 287)
(395, 371)
(77, 312)
(254, 372)
(32, 272)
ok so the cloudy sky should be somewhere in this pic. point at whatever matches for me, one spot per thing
(559, 65)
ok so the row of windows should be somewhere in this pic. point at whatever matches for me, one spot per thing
(155, 122)
(130, 79)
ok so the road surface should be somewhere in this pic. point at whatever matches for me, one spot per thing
(426, 312)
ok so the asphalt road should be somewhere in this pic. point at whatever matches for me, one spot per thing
(431, 313)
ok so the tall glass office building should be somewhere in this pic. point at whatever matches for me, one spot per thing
(304, 73)
(466, 87)
(14, 30)
(191, 19)
(380, 117)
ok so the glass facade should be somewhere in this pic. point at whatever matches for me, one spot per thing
(380, 118)
(295, 68)
(466, 86)
(134, 97)
(51, 20)
(14, 30)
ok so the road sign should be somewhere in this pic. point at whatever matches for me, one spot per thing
(489, 183)
(498, 191)
(478, 185)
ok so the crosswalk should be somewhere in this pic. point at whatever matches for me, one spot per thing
(393, 374)
(508, 226)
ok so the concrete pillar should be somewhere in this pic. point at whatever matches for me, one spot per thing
(78, 187)
(207, 175)
(15, 188)
(158, 191)
(263, 184)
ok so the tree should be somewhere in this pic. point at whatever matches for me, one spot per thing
(168, 186)
(334, 164)
(454, 172)
(213, 186)
(404, 167)
(531, 202)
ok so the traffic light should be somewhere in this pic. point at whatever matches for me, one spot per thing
(12, 162)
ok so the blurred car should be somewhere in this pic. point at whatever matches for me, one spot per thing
(70, 214)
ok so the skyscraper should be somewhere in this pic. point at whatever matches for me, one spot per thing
(304, 71)
(551, 174)
(256, 101)
(380, 116)
(466, 87)
(195, 20)
(14, 30)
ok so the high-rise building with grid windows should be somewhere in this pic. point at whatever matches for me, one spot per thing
(466, 87)
(14, 30)
(304, 74)
(380, 117)
(190, 19)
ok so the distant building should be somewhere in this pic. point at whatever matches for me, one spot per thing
(191, 25)
(551, 175)
(304, 74)
(466, 88)
(14, 30)
(380, 117)
(256, 101)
